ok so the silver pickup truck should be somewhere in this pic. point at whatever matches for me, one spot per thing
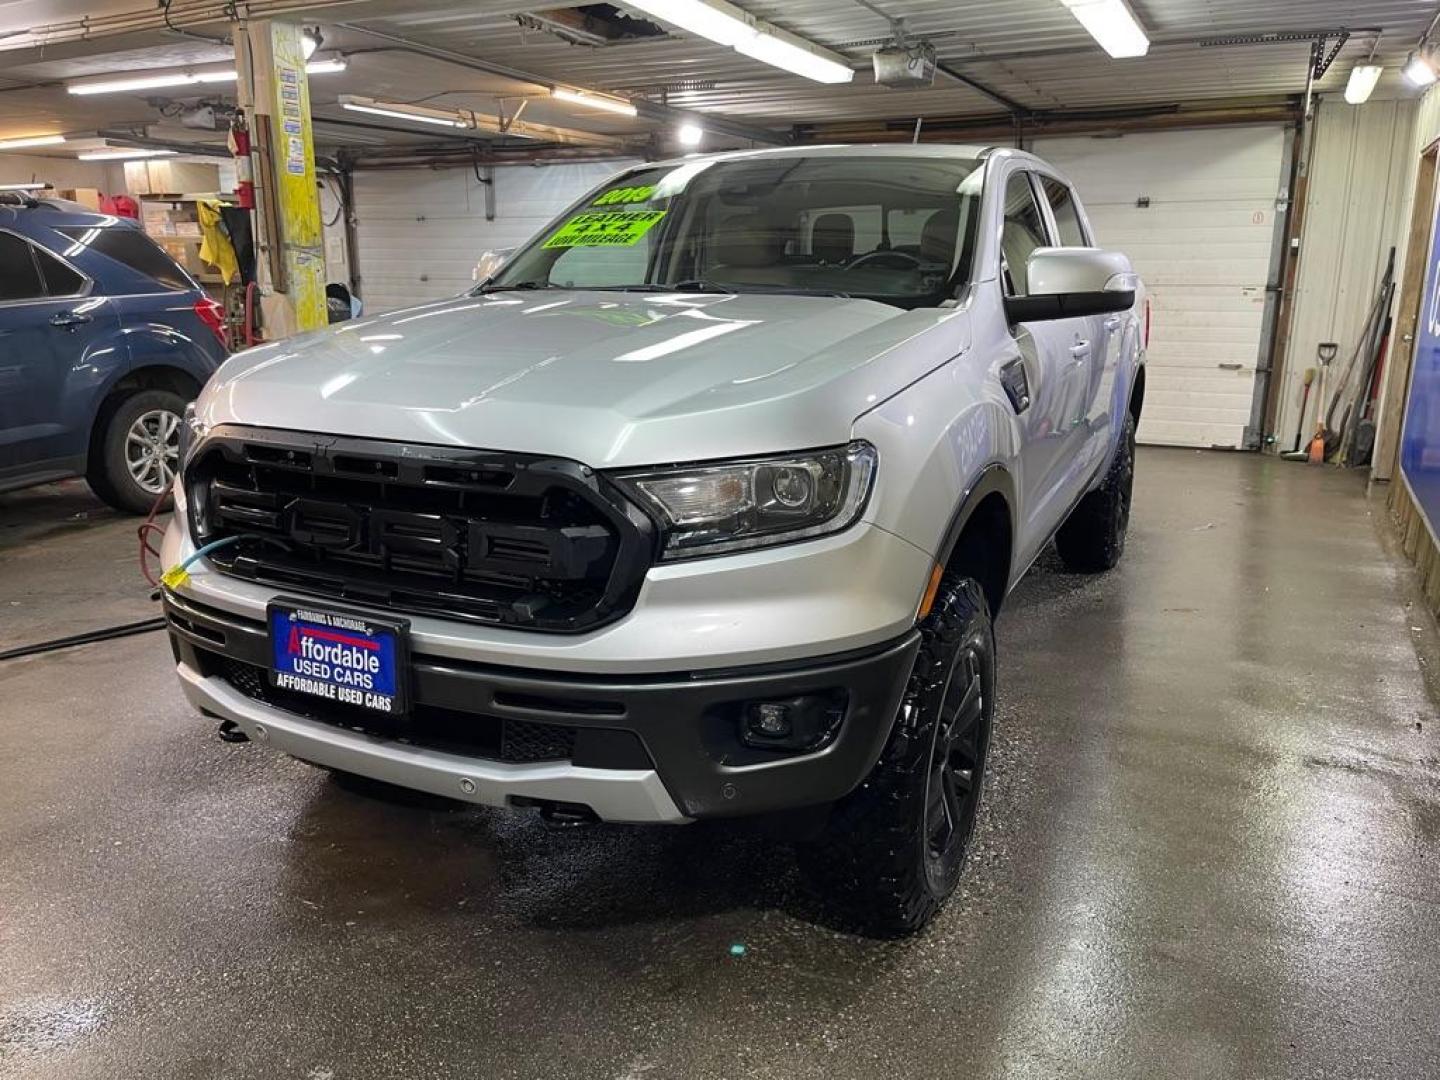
(701, 506)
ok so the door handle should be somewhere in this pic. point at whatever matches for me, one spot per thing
(69, 318)
(1112, 323)
(1080, 351)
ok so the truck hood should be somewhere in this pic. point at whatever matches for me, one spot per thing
(607, 378)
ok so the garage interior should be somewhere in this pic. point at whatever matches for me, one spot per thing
(1212, 814)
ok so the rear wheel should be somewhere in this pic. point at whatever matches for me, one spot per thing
(138, 452)
(1093, 536)
(894, 848)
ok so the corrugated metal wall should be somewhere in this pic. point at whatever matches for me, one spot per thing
(1360, 166)
(420, 231)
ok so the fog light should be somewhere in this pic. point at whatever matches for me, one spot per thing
(770, 720)
(799, 724)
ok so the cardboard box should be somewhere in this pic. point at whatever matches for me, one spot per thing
(87, 197)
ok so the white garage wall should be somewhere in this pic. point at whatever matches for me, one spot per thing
(420, 231)
(1354, 212)
(62, 172)
(1203, 246)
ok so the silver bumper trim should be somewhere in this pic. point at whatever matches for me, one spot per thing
(621, 795)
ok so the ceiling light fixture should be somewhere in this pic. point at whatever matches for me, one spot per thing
(329, 66)
(690, 134)
(400, 112)
(186, 78)
(40, 185)
(1112, 24)
(595, 101)
(31, 140)
(1363, 78)
(122, 153)
(725, 24)
(1418, 70)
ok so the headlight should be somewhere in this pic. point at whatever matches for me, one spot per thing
(738, 505)
(192, 431)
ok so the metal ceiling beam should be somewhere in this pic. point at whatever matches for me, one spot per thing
(650, 110)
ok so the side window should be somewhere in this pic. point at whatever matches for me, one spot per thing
(1067, 217)
(60, 280)
(19, 279)
(134, 249)
(1023, 232)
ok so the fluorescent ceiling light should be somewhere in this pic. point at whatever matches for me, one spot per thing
(1363, 78)
(1418, 70)
(121, 153)
(795, 56)
(690, 134)
(31, 140)
(1112, 24)
(38, 186)
(594, 101)
(398, 114)
(725, 24)
(185, 78)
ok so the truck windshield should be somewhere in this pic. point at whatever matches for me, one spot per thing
(894, 229)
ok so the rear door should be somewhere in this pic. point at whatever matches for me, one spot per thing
(47, 322)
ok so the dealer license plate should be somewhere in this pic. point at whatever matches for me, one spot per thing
(340, 656)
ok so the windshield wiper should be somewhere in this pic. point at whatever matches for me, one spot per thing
(698, 285)
(519, 285)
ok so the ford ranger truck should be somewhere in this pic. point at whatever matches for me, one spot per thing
(702, 505)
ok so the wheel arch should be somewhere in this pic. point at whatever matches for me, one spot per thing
(980, 539)
(149, 377)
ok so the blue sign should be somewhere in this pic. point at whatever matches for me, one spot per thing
(1420, 446)
(337, 656)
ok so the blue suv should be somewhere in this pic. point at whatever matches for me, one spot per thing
(104, 339)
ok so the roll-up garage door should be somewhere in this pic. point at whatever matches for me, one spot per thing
(1195, 210)
(420, 231)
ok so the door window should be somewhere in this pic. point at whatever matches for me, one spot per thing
(60, 280)
(1067, 217)
(19, 279)
(131, 247)
(1023, 232)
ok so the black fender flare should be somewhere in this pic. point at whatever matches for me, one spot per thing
(994, 478)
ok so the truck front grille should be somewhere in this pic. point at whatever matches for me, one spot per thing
(508, 539)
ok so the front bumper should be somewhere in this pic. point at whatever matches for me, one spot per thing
(648, 747)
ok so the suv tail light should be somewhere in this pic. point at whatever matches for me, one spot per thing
(1147, 324)
(212, 314)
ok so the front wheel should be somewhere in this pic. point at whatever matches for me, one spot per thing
(138, 450)
(894, 848)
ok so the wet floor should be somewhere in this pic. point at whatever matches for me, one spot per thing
(1210, 848)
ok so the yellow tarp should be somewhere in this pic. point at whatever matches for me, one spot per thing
(215, 246)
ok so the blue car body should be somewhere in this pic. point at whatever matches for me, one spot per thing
(67, 360)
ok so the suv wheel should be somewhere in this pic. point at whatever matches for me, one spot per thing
(894, 848)
(1093, 536)
(138, 452)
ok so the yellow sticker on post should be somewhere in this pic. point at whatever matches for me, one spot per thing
(605, 228)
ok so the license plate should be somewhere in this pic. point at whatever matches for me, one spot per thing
(340, 656)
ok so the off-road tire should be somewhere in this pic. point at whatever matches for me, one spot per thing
(1093, 536)
(109, 474)
(879, 859)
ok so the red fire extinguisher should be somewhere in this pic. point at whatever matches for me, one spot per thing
(240, 147)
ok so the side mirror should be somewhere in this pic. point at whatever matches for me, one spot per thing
(1068, 283)
(489, 264)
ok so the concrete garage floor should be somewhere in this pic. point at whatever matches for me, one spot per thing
(1210, 849)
